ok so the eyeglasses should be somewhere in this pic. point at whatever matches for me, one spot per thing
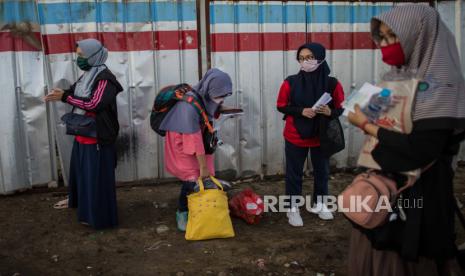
(306, 58)
(389, 38)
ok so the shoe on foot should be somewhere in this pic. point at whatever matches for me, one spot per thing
(294, 217)
(322, 211)
(62, 204)
(181, 220)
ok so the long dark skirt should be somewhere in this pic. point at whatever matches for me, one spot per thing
(365, 260)
(92, 184)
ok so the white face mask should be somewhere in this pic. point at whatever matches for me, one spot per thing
(310, 65)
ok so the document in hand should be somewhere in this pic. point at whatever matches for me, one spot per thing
(360, 97)
(323, 100)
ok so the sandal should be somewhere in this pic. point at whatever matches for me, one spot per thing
(62, 204)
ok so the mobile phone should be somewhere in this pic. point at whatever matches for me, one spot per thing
(232, 111)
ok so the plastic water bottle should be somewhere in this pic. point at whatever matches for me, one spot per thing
(378, 103)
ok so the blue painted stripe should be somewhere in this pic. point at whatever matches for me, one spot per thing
(243, 13)
(343, 14)
(14, 11)
(118, 12)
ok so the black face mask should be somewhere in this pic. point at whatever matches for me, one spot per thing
(83, 64)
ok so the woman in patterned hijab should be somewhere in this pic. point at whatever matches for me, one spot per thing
(430, 50)
(420, 240)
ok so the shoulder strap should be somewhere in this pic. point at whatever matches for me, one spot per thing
(459, 213)
(291, 79)
(197, 105)
(332, 84)
(412, 179)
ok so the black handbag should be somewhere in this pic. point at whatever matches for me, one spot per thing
(210, 140)
(331, 135)
(79, 124)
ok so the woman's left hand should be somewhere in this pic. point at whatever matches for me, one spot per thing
(55, 95)
(357, 118)
(323, 109)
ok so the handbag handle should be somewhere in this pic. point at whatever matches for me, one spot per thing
(217, 183)
(213, 179)
(412, 179)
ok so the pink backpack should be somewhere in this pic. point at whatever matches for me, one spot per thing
(371, 187)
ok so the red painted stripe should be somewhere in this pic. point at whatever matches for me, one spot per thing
(184, 40)
(230, 42)
(9, 42)
(114, 41)
(125, 41)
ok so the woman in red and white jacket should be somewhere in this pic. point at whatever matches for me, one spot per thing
(297, 95)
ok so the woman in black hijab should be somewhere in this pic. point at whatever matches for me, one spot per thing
(296, 98)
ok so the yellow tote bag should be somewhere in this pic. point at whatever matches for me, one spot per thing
(208, 214)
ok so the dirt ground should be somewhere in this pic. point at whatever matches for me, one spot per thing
(35, 239)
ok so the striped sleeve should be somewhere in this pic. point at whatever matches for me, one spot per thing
(89, 103)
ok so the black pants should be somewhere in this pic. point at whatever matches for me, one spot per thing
(187, 187)
(295, 159)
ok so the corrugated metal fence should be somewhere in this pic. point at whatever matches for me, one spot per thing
(25, 152)
(151, 44)
(155, 43)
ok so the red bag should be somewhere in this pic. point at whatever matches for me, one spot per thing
(247, 205)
